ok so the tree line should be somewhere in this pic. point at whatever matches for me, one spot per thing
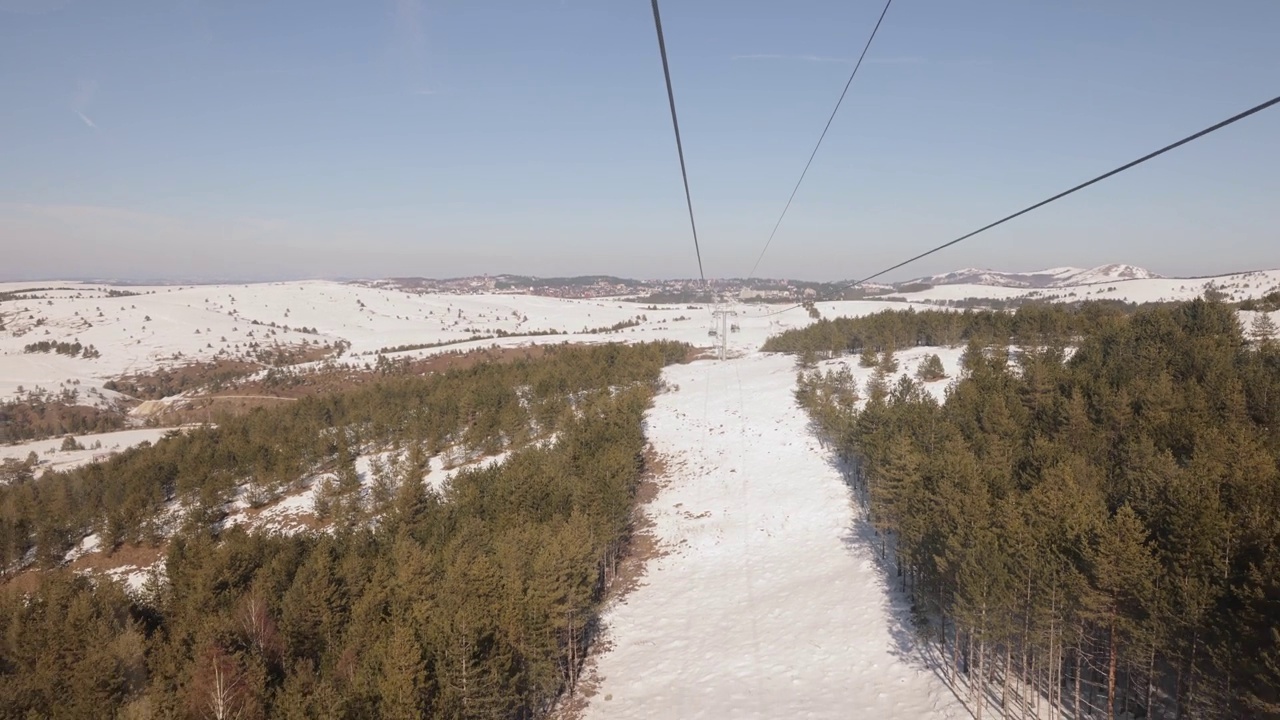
(1082, 536)
(38, 414)
(71, 349)
(1037, 324)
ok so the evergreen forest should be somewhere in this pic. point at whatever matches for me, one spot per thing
(1089, 525)
(477, 601)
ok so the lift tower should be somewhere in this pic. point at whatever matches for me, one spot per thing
(721, 314)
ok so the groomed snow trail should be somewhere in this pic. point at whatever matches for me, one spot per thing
(767, 604)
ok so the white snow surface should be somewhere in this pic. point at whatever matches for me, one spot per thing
(1051, 277)
(158, 327)
(770, 602)
(52, 457)
(1101, 286)
(134, 577)
(88, 544)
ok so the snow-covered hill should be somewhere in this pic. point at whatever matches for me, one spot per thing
(172, 326)
(1107, 273)
(1050, 278)
(1090, 286)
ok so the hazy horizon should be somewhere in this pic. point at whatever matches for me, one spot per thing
(179, 280)
(201, 140)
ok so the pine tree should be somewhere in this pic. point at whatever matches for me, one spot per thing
(1263, 328)
(931, 369)
(888, 362)
(877, 387)
(403, 678)
(1122, 570)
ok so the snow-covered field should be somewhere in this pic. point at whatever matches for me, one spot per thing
(96, 446)
(1237, 287)
(168, 326)
(769, 602)
(172, 326)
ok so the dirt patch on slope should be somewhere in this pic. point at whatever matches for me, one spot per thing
(126, 555)
(173, 380)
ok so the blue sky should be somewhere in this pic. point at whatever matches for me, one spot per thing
(266, 139)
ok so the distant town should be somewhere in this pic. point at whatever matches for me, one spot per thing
(657, 291)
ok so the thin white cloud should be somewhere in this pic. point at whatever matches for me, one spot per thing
(86, 120)
(423, 92)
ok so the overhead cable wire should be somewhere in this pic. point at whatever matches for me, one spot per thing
(1081, 186)
(675, 124)
(821, 137)
(1134, 163)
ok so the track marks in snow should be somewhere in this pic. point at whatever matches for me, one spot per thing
(768, 603)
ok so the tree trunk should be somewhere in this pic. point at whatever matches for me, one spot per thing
(1151, 681)
(1191, 671)
(1111, 666)
(1075, 703)
(1026, 636)
(942, 620)
(1053, 669)
(1177, 693)
(980, 679)
(1055, 677)
(1125, 691)
(1029, 689)
(573, 655)
(1004, 694)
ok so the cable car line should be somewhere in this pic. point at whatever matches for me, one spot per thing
(675, 124)
(1131, 164)
(821, 137)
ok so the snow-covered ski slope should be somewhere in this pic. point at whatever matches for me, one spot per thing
(769, 602)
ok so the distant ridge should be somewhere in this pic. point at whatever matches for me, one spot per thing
(1050, 278)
